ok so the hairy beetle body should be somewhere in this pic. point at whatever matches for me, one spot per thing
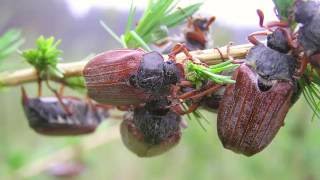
(46, 116)
(278, 41)
(129, 77)
(151, 130)
(249, 118)
(107, 77)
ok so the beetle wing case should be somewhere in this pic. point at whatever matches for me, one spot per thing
(46, 116)
(248, 118)
(107, 77)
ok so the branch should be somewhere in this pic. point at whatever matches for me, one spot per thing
(209, 56)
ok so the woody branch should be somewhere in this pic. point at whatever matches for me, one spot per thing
(208, 56)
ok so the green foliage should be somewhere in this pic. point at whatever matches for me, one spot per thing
(9, 42)
(76, 83)
(283, 8)
(198, 73)
(153, 25)
(310, 83)
(159, 13)
(45, 57)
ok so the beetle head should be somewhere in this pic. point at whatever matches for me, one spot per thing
(270, 64)
(147, 134)
(304, 10)
(201, 23)
(171, 73)
(278, 41)
(150, 75)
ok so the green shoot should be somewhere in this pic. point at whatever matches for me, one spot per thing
(9, 42)
(140, 40)
(199, 73)
(310, 84)
(283, 8)
(113, 34)
(195, 115)
(153, 25)
(159, 13)
(45, 57)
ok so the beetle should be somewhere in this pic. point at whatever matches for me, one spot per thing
(307, 13)
(251, 113)
(47, 116)
(194, 36)
(131, 77)
(152, 129)
(196, 32)
(253, 109)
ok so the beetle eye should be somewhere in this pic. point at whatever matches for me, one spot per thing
(264, 85)
(132, 80)
(169, 62)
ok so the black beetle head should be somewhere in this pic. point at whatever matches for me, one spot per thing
(171, 73)
(278, 41)
(150, 75)
(201, 23)
(158, 106)
(156, 128)
(270, 64)
(304, 11)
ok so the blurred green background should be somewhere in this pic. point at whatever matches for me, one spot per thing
(293, 154)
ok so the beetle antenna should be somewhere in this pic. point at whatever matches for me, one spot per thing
(24, 95)
(261, 17)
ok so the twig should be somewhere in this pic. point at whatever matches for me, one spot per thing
(209, 56)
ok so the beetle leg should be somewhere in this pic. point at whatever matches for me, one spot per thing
(177, 49)
(253, 39)
(303, 66)
(277, 24)
(271, 24)
(188, 94)
(206, 92)
(191, 108)
(228, 51)
(289, 38)
(210, 21)
(185, 84)
(261, 17)
(65, 107)
(24, 95)
(123, 108)
(220, 53)
(61, 90)
(177, 108)
(39, 81)
(198, 36)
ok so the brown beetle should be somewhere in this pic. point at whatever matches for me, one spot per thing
(253, 109)
(249, 117)
(107, 77)
(151, 130)
(196, 32)
(47, 116)
(131, 77)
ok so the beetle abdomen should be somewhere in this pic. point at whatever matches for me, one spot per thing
(47, 116)
(249, 118)
(107, 77)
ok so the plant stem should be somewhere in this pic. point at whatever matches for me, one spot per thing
(208, 56)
